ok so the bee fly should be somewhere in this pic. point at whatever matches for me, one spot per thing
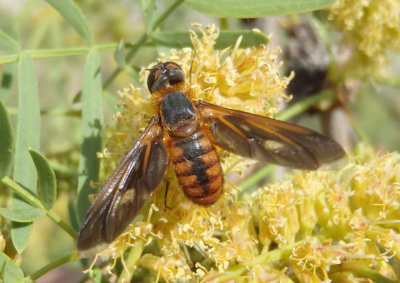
(185, 131)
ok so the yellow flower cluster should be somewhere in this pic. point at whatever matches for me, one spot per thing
(346, 221)
(313, 226)
(372, 28)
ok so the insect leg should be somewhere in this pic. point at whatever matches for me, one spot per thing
(166, 195)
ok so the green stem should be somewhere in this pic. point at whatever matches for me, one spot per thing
(223, 23)
(63, 169)
(62, 112)
(22, 192)
(265, 258)
(364, 139)
(131, 262)
(276, 255)
(51, 112)
(165, 15)
(31, 199)
(361, 270)
(232, 274)
(129, 57)
(256, 177)
(58, 220)
(49, 53)
(304, 104)
(68, 258)
(8, 59)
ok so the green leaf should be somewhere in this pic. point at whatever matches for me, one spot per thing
(250, 38)
(119, 54)
(92, 119)
(74, 17)
(27, 136)
(28, 125)
(8, 44)
(23, 193)
(9, 271)
(22, 214)
(255, 8)
(181, 39)
(5, 141)
(46, 179)
(19, 234)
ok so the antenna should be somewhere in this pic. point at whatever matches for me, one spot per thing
(191, 66)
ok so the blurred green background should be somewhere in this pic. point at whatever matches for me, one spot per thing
(373, 109)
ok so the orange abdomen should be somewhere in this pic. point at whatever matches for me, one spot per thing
(197, 167)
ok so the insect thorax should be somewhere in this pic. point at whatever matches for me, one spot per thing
(178, 115)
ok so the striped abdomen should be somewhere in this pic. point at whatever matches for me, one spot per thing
(197, 167)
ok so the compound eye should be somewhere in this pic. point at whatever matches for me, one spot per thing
(155, 73)
(172, 66)
(164, 75)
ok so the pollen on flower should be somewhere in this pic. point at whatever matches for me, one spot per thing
(276, 213)
(313, 257)
(371, 28)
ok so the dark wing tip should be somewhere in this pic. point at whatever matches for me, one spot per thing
(338, 162)
(90, 250)
(88, 245)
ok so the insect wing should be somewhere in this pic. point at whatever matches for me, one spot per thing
(267, 139)
(126, 190)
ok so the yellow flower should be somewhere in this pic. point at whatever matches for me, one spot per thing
(377, 189)
(276, 214)
(371, 28)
